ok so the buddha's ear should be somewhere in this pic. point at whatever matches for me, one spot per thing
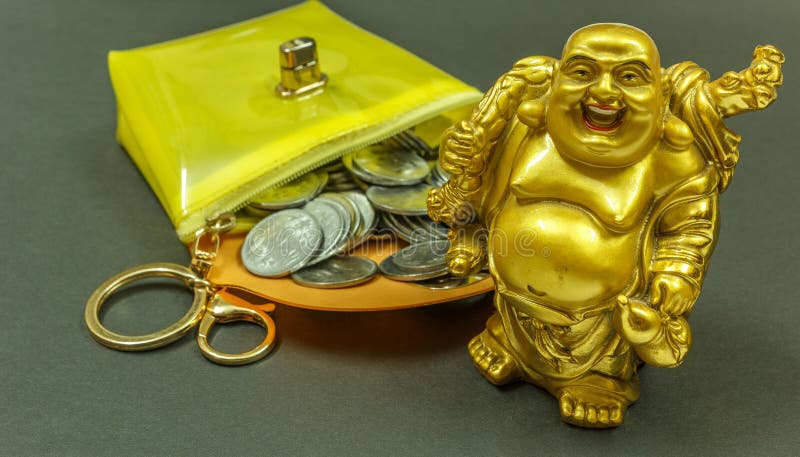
(666, 85)
(533, 113)
(666, 92)
(676, 133)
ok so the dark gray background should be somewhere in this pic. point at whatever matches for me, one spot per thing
(76, 210)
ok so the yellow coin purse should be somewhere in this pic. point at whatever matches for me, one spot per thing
(213, 119)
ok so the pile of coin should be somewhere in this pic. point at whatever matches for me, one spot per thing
(374, 192)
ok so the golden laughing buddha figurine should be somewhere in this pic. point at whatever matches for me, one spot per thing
(591, 186)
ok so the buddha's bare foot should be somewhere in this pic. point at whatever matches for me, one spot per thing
(492, 360)
(595, 406)
(591, 411)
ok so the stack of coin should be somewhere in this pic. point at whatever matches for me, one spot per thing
(384, 166)
(438, 176)
(339, 179)
(417, 262)
(409, 141)
(413, 228)
(290, 239)
(369, 193)
(336, 272)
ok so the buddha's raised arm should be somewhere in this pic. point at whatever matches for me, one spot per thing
(751, 89)
(466, 147)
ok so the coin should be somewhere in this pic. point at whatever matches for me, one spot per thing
(340, 176)
(362, 177)
(400, 167)
(451, 282)
(392, 271)
(334, 219)
(281, 243)
(342, 187)
(401, 229)
(293, 194)
(438, 176)
(333, 167)
(410, 141)
(353, 213)
(422, 256)
(366, 214)
(387, 225)
(410, 200)
(257, 212)
(336, 272)
(426, 227)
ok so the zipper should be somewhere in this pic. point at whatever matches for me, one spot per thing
(318, 157)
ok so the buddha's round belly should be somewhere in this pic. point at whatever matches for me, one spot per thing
(560, 254)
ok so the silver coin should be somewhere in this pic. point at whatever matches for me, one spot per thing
(352, 212)
(398, 166)
(257, 212)
(426, 227)
(451, 282)
(281, 243)
(344, 187)
(443, 175)
(295, 193)
(392, 271)
(422, 256)
(362, 177)
(388, 222)
(410, 200)
(333, 167)
(399, 141)
(340, 176)
(410, 141)
(333, 218)
(438, 176)
(336, 272)
(418, 229)
(366, 215)
(408, 230)
(348, 206)
(381, 232)
(427, 150)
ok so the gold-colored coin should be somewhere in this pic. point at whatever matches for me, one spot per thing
(408, 200)
(293, 194)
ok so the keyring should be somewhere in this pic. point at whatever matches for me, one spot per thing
(151, 340)
(203, 311)
(221, 311)
(209, 306)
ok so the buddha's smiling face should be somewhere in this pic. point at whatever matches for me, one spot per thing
(606, 104)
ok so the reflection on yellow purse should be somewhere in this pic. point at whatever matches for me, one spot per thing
(213, 119)
(201, 118)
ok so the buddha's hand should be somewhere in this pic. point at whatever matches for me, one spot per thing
(467, 253)
(751, 89)
(460, 150)
(672, 294)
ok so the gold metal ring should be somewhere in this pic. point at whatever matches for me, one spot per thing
(155, 339)
(220, 311)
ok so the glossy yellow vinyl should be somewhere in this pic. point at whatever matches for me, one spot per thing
(201, 118)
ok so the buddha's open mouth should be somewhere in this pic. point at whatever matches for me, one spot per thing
(603, 118)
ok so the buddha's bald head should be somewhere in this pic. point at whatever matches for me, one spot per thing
(618, 40)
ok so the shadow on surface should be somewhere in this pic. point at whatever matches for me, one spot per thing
(398, 333)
